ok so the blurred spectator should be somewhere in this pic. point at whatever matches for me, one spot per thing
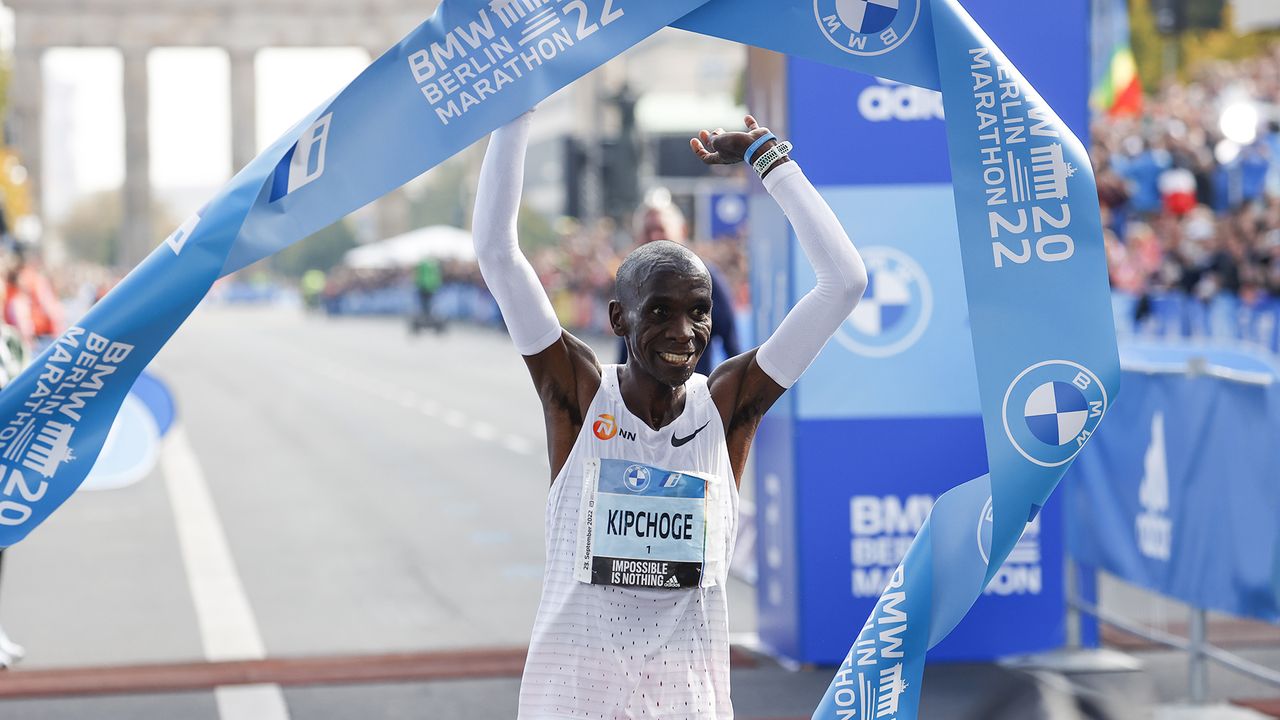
(1190, 190)
(46, 308)
(312, 284)
(17, 308)
(577, 271)
(427, 279)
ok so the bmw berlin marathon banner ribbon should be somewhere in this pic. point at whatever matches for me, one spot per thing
(471, 68)
(1039, 308)
(1031, 246)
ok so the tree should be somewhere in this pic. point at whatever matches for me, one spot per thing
(93, 227)
(1224, 43)
(321, 251)
(1147, 44)
(445, 198)
(1192, 47)
(533, 229)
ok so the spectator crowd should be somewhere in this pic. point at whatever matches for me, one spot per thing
(1190, 194)
(577, 270)
(33, 309)
(1190, 198)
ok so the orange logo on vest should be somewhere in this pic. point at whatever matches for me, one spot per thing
(605, 428)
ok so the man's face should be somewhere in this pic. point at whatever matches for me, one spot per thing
(670, 325)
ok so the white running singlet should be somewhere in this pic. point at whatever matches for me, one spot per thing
(602, 652)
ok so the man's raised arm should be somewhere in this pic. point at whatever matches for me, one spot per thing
(564, 369)
(746, 386)
(524, 304)
(842, 278)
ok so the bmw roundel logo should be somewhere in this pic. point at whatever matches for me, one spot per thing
(636, 478)
(895, 309)
(867, 27)
(1027, 551)
(986, 520)
(1051, 409)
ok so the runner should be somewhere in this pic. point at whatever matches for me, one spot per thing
(427, 278)
(646, 457)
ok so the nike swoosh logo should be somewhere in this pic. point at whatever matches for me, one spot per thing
(678, 441)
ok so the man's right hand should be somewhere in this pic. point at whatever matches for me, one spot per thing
(727, 148)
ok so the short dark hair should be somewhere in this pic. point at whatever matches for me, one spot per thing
(660, 255)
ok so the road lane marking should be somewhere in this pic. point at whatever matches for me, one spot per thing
(483, 431)
(517, 445)
(251, 702)
(452, 417)
(228, 630)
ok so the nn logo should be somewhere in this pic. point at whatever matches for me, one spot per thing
(606, 428)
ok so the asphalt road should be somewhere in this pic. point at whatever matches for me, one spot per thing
(377, 492)
(336, 488)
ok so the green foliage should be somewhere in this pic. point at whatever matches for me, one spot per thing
(1147, 44)
(447, 199)
(321, 251)
(444, 200)
(1192, 48)
(92, 229)
(1224, 44)
(534, 229)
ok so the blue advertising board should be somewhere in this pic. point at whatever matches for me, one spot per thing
(887, 418)
(726, 215)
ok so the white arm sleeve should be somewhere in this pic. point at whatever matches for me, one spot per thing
(524, 304)
(842, 278)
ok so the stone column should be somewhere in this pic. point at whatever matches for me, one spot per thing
(26, 98)
(244, 107)
(137, 233)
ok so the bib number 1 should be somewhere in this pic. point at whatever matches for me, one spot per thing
(641, 526)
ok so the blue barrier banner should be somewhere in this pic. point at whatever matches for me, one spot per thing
(1179, 495)
(1025, 200)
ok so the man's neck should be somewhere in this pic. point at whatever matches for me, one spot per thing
(656, 405)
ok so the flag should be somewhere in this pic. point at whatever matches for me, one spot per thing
(1116, 88)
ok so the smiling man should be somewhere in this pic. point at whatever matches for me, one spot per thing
(646, 457)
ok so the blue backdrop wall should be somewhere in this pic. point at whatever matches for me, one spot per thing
(887, 419)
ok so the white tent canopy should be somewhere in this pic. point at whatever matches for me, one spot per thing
(1251, 15)
(441, 242)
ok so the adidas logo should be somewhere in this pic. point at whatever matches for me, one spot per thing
(673, 582)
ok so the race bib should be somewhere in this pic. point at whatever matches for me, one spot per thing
(641, 526)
